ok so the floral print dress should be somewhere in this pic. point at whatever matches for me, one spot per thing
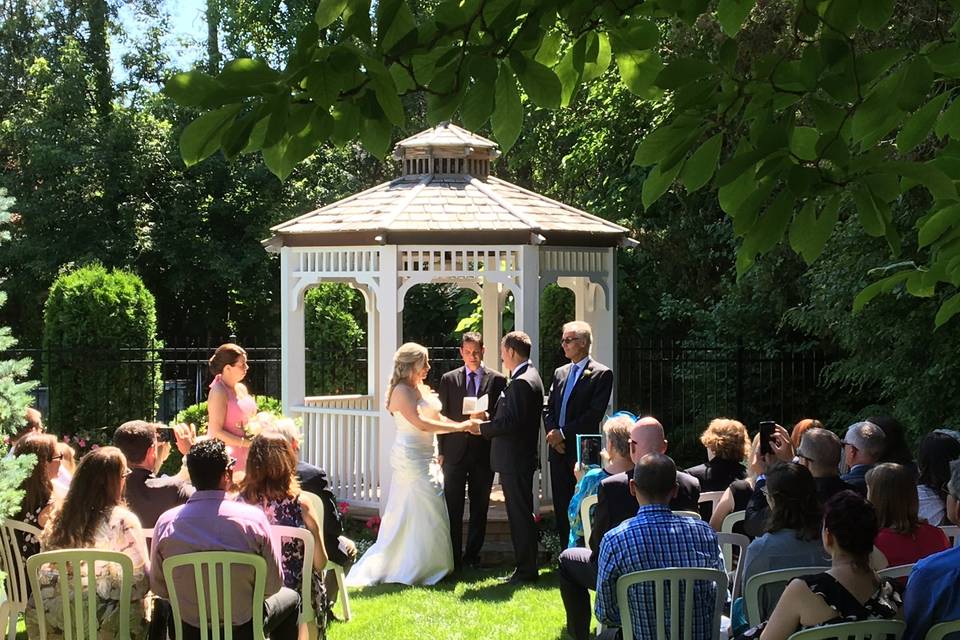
(289, 513)
(119, 531)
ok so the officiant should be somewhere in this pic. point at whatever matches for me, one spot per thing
(464, 457)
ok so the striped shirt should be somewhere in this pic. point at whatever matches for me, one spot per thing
(656, 539)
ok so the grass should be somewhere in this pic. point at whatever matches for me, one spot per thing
(475, 605)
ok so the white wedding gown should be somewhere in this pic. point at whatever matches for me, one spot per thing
(413, 545)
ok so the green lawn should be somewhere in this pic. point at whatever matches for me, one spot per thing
(474, 606)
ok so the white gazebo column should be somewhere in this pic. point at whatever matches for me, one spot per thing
(492, 323)
(292, 343)
(388, 339)
(527, 304)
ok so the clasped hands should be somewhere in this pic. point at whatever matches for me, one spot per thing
(473, 424)
(556, 441)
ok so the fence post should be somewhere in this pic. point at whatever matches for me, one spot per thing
(740, 378)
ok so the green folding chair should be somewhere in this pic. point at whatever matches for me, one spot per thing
(942, 630)
(212, 573)
(862, 630)
(756, 583)
(672, 577)
(15, 570)
(70, 564)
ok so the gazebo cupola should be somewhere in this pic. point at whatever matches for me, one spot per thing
(445, 219)
(446, 150)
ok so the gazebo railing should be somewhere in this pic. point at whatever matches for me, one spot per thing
(341, 435)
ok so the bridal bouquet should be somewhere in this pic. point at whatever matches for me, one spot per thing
(265, 420)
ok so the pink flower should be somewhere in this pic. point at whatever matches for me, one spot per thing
(94, 447)
(81, 442)
(66, 438)
(373, 523)
(343, 508)
(537, 518)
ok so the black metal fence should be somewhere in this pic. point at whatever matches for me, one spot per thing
(684, 385)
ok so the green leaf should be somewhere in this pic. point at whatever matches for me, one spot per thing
(400, 25)
(656, 145)
(322, 85)
(873, 213)
(937, 224)
(656, 184)
(938, 183)
(639, 70)
(193, 88)
(732, 13)
(375, 136)
(201, 138)
(915, 82)
(684, 71)
(809, 233)
(477, 105)
(276, 159)
(597, 56)
(731, 170)
(949, 122)
(328, 11)
(700, 166)
(247, 72)
(639, 34)
(538, 81)
(884, 285)
(949, 308)
(549, 52)
(917, 127)
(803, 142)
(875, 13)
(507, 118)
(386, 92)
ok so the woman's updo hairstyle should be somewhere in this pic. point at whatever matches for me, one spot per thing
(225, 354)
(853, 523)
(409, 359)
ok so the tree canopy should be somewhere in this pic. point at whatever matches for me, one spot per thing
(827, 119)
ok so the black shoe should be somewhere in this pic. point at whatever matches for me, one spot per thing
(472, 563)
(517, 579)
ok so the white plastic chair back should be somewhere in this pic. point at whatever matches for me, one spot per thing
(756, 583)
(732, 519)
(586, 517)
(669, 580)
(862, 630)
(727, 542)
(688, 514)
(14, 567)
(942, 630)
(952, 532)
(899, 571)
(713, 497)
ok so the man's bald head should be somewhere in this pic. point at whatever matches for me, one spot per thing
(646, 437)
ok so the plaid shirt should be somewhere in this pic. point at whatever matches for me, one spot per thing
(656, 539)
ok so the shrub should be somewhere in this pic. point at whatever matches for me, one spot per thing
(100, 337)
(334, 337)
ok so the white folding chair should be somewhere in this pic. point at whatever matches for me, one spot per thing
(317, 505)
(732, 519)
(307, 612)
(873, 629)
(734, 573)
(756, 583)
(586, 517)
(14, 567)
(899, 571)
(942, 630)
(673, 576)
(688, 514)
(952, 532)
(713, 497)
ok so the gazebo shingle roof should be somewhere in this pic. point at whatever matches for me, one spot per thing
(437, 208)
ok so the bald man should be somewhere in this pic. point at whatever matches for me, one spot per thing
(615, 503)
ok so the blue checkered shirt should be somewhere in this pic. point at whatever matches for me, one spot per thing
(656, 539)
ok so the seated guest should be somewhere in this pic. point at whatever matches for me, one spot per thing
(863, 446)
(270, 483)
(147, 495)
(793, 529)
(617, 454)
(340, 549)
(93, 516)
(640, 544)
(936, 452)
(902, 539)
(932, 595)
(727, 445)
(738, 494)
(615, 503)
(800, 428)
(38, 498)
(850, 590)
(211, 522)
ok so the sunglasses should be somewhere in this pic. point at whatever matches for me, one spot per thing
(127, 472)
(568, 340)
(230, 464)
(57, 458)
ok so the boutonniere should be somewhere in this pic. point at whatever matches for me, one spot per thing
(586, 373)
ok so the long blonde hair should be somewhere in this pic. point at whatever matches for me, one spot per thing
(408, 359)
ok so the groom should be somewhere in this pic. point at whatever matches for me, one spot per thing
(465, 457)
(514, 449)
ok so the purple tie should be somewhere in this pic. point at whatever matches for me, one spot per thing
(472, 384)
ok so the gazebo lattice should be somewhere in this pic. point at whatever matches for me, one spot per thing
(444, 220)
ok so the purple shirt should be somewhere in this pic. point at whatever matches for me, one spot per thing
(210, 522)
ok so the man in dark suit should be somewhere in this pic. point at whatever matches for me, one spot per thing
(147, 495)
(514, 449)
(615, 503)
(464, 457)
(577, 402)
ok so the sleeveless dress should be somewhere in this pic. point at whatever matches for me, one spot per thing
(239, 411)
(413, 545)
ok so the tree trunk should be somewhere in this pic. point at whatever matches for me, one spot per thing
(98, 50)
(213, 36)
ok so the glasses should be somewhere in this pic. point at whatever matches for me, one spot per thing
(127, 472)
(568, 340)
(803, 457)
(230, 464)
(57, 458)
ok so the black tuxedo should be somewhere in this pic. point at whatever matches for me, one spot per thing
(466, 460)
(514, 452)
(585, 409)
(615, 504)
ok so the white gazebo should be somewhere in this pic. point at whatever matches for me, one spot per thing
(444, 220)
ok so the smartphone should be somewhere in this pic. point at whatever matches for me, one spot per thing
(766, 435)
(165, 434)
(589, 446)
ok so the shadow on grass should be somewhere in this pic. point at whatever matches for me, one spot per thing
(497, 591)
(475, 584)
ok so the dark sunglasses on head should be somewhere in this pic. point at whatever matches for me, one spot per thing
(57, 457)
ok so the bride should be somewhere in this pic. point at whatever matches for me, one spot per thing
(413, 545)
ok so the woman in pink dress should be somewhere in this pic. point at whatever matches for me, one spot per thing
(230, 405)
